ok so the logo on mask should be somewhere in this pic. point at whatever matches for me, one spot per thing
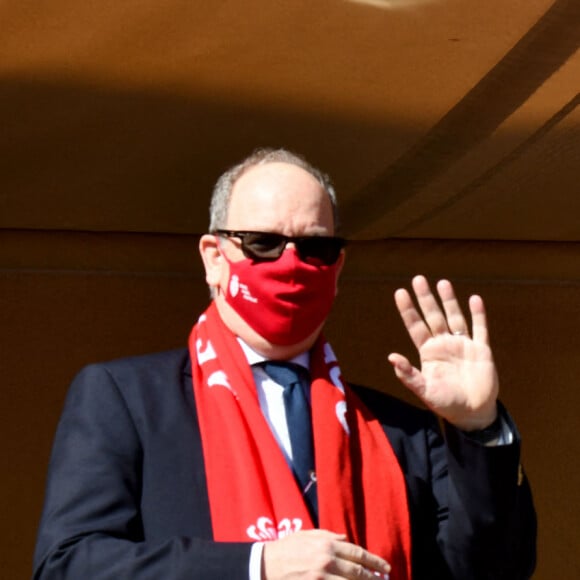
(234, 286)
(294, 297)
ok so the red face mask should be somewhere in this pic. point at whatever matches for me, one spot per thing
(283, 300)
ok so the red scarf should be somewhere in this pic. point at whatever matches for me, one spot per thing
(252, 492)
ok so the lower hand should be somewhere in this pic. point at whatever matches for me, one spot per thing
(320, 554)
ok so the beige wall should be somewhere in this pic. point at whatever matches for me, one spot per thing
(68, 299)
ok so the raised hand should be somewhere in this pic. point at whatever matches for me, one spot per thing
(457, 379)
(320, 554)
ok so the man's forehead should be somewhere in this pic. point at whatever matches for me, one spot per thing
(264, 182)
(273, 195)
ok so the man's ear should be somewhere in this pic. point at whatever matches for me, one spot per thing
(213, 261)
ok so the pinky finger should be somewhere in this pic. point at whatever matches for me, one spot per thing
(479, 319)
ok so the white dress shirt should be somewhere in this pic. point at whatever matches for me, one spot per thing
(270, 396)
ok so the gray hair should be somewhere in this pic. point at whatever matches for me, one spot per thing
(222, 192)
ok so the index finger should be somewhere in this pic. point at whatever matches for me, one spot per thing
(359, 555)
(414, 323)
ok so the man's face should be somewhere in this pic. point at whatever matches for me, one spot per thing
(275, 197)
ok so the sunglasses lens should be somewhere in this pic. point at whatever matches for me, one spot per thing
(319, 250)
(268, 246)
(264, 246)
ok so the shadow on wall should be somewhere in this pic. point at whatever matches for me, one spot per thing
(90, 158)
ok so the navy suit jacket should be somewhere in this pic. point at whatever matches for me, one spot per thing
(126, 493)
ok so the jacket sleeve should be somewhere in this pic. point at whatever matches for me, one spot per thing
(490, 528)
(470, 506)
(91, 525)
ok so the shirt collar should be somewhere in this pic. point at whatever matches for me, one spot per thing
(302, 359)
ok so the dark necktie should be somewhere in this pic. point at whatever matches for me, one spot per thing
(295, 380)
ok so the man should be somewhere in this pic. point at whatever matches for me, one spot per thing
(198, 464)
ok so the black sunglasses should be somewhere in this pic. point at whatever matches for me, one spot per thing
(268, 246)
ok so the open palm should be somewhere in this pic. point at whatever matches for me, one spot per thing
(457, 378)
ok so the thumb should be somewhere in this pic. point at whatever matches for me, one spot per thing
(410, 376)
